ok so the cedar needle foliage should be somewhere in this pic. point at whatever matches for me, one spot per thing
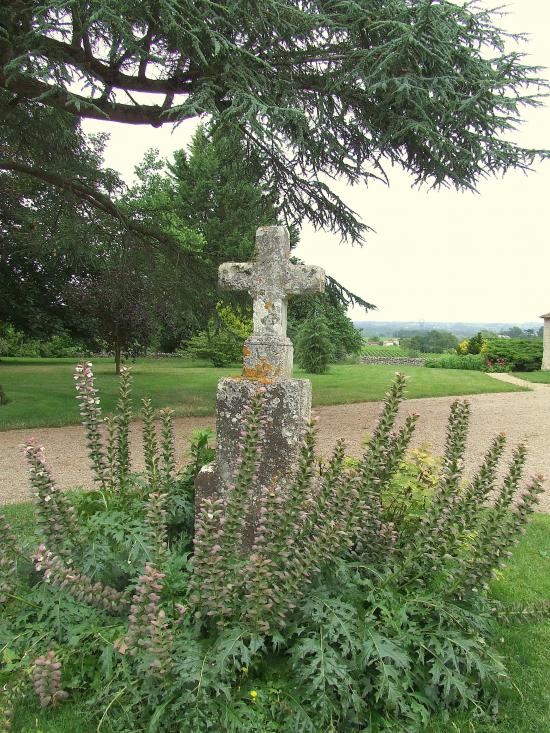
(314, 90)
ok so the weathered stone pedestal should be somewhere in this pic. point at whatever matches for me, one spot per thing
(270, 278)
(545, 367)
(287, 407)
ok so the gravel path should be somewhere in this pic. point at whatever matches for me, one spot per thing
(523, 416)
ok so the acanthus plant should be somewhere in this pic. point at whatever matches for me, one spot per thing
(64, 528)
(342, 591)
(342, 513)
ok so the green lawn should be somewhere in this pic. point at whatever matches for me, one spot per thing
(41, 391)
(525, 704)
(539, 377)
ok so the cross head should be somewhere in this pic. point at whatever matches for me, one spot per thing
(270, 278)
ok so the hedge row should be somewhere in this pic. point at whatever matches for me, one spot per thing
(499, 355)
(522, 355)
(473, 362)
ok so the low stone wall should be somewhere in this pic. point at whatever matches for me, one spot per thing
(397, 360)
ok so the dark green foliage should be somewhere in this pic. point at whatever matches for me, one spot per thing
(216, 188)
(363, 606)
(431, 342)
(3, 398)
(520, 355)
(49, 234)
(211, 189)
(314, 347)
(66, 242)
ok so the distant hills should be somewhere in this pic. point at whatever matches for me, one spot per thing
(462, 330)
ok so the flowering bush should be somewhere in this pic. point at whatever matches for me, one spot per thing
(474, 345)
(362, 605)
(498, 365)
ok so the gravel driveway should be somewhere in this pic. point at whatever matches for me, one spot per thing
(523, 416)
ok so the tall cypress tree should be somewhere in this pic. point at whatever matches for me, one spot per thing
(314, 347)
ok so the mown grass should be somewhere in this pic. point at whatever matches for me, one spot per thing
(41, 391)
(525, 646)
(538, 377)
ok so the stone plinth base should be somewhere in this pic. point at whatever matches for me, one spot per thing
(287, 407)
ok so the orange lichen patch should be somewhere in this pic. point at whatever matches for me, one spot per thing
(268, 305)
(262, 372)
(246, 351)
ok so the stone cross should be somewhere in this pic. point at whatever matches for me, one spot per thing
(270, 279)
(546, 343)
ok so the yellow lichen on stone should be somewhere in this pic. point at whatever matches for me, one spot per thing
(262, 372)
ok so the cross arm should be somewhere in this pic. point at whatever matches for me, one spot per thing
(305, 279)
(235, 276)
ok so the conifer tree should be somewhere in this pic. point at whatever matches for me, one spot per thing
(314, 347)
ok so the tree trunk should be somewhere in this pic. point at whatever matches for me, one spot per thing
(117, 354)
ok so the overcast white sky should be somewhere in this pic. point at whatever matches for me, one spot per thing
(440, 255)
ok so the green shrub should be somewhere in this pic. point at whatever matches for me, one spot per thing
(15, 343)
(222, 348)
(62, 345)
(3, 397)
(520, 355)
(362, 606)
(222, 340)
(475, 362)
